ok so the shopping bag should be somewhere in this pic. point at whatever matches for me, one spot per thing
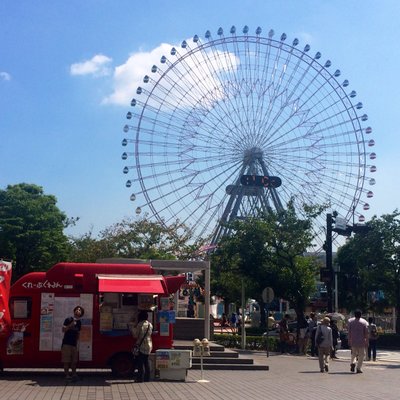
(135, 351)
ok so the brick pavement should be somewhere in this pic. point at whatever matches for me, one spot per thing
(289, 377)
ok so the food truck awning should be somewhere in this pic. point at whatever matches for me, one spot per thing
(153, 284)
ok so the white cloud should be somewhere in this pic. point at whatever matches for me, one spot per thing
(97, 66)
(5, 76)
(128, 76)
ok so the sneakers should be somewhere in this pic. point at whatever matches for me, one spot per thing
(326, 368)
(359, 371)
(352, 367)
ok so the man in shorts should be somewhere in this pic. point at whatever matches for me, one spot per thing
(69, 348)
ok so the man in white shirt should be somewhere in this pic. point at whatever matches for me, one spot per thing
(358, 340)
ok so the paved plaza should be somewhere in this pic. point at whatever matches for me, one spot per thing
(289, 377)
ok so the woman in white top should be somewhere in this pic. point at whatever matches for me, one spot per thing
(142, 332)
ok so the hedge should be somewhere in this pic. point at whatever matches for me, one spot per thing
(234, 341)
(389, 341)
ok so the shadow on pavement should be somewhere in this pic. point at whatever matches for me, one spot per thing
(52, 379)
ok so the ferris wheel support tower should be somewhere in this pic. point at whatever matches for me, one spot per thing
(258, 197)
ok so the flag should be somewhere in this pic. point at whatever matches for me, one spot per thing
(5, 283)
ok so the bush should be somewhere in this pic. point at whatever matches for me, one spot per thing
(388, 341)
(253, 331)
(252, 342)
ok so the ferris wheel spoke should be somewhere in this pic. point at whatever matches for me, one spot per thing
(189, 175)
(230, 71)
(205, 86)
(260, 103)
(300, 112)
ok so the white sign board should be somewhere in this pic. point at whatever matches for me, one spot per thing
(267, 295)
(340, 223)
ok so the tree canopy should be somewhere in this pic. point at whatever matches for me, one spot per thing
(31, 228)
(370, 262)
(267, 251)
(140, 239)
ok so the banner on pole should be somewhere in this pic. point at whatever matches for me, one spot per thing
(5, 283)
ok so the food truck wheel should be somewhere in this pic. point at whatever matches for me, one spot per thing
(122, 365)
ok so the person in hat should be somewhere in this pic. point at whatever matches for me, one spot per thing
(324, 342)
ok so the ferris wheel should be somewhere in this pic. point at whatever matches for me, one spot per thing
(216, 111)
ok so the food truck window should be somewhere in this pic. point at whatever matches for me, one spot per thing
(118, 311)
(21, 307)
(129, 299)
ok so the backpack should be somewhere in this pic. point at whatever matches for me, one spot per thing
(374, 332)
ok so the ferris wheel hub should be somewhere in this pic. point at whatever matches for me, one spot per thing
(252, 154)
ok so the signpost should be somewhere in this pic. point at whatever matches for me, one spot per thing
(268, 296)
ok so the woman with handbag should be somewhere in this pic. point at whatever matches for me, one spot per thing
(142, 332)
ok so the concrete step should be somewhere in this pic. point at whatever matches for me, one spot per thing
(227, 367)
(222, 360)
(219, 352)
(186, 345)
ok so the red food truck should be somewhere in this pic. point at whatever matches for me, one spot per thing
(33, 309)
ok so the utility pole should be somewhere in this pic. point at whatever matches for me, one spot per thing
(328, 253)
(329, 275)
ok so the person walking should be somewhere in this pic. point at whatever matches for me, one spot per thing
(233, 322)
(372, 339)
(284, 334)
(69, 348)
(312, 328)
(302, 340)
(142, 332)
(324, 342)
(335, 337)
(358, 340)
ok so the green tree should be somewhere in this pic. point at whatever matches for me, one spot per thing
(240, 256)
(140, 239)
(31, 229)
(371, 262)
(268, 251)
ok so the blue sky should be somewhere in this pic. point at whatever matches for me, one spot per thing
(64, 93)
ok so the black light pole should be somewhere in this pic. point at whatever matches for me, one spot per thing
(328, 254)
(329, 273)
